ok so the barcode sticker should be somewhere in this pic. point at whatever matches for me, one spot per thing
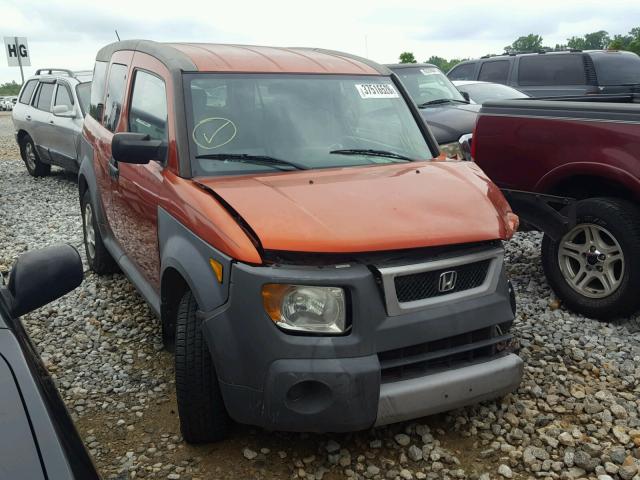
(377, 90)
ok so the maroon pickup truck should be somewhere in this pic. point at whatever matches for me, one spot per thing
(587, 149)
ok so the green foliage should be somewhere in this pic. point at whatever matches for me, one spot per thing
(591, 41)
(407, 57)
(630, 42)
(528, 43)
(444, 64)
(9, 88)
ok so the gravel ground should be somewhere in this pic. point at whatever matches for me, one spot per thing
(576, 414)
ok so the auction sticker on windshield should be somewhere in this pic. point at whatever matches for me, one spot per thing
(376, 90)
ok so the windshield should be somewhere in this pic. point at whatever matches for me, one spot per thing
(244, 123)
(617, 68)
(428, 85)
(483, 92)
(83, 90)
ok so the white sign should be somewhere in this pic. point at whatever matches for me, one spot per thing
(377, 90)
(15, 49)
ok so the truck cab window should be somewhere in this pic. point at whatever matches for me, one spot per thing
(115, 94)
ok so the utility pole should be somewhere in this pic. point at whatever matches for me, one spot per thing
(15, 39)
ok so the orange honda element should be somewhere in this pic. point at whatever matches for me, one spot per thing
(316, 265)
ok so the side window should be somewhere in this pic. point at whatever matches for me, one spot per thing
(549, 69)
(44, 96)
(148, 112)
(27, 91)
(462, 72)
(115, 94)
(496, 71)
(97, 90)
(63, 97)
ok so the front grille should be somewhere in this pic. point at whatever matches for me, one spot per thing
(419, 286)
(430, 357)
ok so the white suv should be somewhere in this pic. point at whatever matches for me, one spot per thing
(48, 119)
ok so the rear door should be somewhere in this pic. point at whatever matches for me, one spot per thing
(552, 75)
(63, 143)
(42, 119)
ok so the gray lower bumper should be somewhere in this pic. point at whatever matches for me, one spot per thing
(418, 397)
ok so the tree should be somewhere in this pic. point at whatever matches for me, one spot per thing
(10, 88)
(407, 57)
(591, 41)
(529, 43)
(442, 63)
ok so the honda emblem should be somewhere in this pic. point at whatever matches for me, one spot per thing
(447, 281)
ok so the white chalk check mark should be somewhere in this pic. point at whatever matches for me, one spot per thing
(213, 135)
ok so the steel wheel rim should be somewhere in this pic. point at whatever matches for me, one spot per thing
(30, 156)
(591, 260)
(89, 232)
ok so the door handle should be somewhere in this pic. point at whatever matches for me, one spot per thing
(114, 171)
(51, 122)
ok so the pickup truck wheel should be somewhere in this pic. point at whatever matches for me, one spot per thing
(98, 257)
(203, 416)
(595, 267)
(31, 159)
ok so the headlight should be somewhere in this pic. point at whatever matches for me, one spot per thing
(452, 150)
(305, 308)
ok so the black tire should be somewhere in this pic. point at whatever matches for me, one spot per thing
(622, 220)
(29, 154)
(98, 257)
(203, 416)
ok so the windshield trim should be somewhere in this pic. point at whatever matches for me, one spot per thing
(186, 78)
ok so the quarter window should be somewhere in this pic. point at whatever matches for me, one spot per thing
(550, 69)
(45, 93)
(148, 112)
(97, 90)
(115, 94)
(496, 71)
(63, 97)
(27, 91)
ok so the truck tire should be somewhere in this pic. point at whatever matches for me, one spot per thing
(98, 257)
(31, 159)
(595, 268)
(203, 416)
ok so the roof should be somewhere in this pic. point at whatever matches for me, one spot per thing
(395, 66)
(210, 57)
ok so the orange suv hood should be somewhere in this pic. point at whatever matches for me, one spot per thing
(361, 209)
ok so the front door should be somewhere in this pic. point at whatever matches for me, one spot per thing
(62, 146)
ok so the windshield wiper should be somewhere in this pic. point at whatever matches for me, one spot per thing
(372, 153)
(255, 159)
(440, 101)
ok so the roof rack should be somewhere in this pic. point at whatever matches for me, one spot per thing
(50, 71)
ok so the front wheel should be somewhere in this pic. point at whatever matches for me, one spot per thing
(595, 267)
(203, 416)
(98, 257)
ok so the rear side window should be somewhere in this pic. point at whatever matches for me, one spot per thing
(148, 113)
(44, 96)
(63, 97)
(97, 89)
(27, 91)
(551, 70)
(115, 94)
(496, 71)
(462, 72)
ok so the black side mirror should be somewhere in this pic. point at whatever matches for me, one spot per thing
(466, 96)
(41, 276)
(136, 148)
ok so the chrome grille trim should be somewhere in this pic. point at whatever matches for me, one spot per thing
(388, 275)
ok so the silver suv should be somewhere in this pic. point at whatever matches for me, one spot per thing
(48, 119)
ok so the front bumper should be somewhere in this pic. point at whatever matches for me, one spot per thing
(390, 367)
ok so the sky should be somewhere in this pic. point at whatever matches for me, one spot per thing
(67, 34)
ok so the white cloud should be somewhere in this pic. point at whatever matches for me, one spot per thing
(68, 33)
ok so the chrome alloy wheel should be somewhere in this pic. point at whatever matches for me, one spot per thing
(89, 232)
(30, 155)
(591, 260)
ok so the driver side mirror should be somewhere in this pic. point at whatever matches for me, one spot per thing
(137, 148)
(41, 276)
(466, 96)
(64, 111)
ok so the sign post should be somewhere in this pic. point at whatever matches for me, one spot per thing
(17, 53)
